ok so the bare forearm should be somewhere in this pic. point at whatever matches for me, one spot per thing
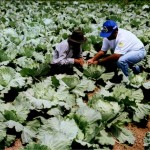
(98, 55)
(79, 61)
(111, 58)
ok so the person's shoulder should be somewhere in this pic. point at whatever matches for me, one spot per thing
(122, 30)
(63, 45)
(64, 42)
(125, 31)
(105, 40)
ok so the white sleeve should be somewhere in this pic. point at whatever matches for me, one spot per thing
(62, 51)
(105, 45)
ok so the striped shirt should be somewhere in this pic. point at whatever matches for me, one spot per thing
(124, 42)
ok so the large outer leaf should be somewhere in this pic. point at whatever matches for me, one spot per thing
(14, 112)
(55, 134)
(6, 75)
(39, 103)
(88, 121)
(10, 78)
(120, 92)
(137, 80)
(71, 81)
(11, 124)
(105, 139)
(56, 141)
(140, 111)
(90, 114)
(123, 134)
(85, 85)
(107, 109)
(27, 135)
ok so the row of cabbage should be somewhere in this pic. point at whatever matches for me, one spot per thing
(50, 111)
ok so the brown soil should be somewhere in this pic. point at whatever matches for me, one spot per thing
(139, 134)
(17, 145)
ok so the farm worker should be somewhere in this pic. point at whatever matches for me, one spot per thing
(68, 53)
(127, 49)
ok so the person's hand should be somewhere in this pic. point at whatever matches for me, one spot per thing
(90, 61)
(95, 62)
(79, 61)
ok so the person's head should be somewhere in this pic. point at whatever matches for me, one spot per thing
(77, 38)
(109, 30)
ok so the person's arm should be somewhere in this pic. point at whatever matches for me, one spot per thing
(79, 58)
(109, 59)
(101, 53)
(96, 57)
(79, 61)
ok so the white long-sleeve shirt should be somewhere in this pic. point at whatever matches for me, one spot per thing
(63, 54)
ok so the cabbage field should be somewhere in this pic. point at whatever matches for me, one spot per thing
(59, 112)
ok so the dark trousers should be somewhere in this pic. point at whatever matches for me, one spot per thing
(63, 69)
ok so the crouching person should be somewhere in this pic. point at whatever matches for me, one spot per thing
(128, 50)
(68, 53)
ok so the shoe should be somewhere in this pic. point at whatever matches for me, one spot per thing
(116, 79)
(138, 69)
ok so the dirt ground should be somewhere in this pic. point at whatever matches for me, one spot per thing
(17, 145)
(139, 134)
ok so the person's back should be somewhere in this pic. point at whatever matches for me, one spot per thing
(128, 41)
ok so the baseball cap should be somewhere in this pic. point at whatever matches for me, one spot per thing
(108, 27)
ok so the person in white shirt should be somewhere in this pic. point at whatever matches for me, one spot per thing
(127, 48)
(68, 53)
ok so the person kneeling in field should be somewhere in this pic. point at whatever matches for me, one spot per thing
(127, 49)
(68, 53)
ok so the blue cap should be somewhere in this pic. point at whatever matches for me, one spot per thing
(108, 27)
